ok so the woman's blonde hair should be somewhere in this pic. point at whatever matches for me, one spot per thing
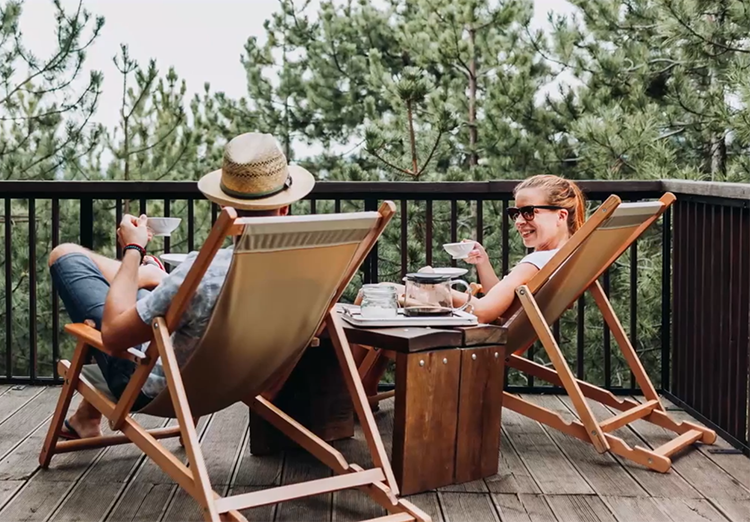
(559, 192)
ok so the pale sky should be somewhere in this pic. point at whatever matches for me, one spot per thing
(202, 39)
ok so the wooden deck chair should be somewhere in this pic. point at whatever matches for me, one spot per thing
(574, 269)
(286, 275)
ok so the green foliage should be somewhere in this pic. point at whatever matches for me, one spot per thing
(43, 119)
(397, 90)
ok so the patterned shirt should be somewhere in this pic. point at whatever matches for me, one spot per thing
(194, 321)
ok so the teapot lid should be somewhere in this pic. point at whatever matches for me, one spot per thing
(428, 277)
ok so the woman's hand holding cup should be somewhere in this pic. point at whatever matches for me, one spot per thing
(478, 255)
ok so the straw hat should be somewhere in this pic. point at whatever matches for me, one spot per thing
(255, 176)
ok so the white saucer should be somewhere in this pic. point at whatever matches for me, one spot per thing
(173, 259)
(451, 271)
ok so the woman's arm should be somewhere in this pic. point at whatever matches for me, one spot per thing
(487, 276)
(500, 296)
(478, 257)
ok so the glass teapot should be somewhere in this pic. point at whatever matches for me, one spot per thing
(429, 294)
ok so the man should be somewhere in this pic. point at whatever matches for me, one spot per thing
(121, 298)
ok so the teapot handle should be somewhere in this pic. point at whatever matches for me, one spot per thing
(468, 292)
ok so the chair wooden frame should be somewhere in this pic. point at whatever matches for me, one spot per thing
(378, 482)
(587, 428)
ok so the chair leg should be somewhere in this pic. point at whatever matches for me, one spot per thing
(63, 403)
(371, 367)
(359, 399)
(658, 415)
(195, 423)
(588, 428)
(379, 482)
(202, 492)
(628, 352)
(563, 370)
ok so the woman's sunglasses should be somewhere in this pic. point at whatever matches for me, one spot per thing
(528, 211)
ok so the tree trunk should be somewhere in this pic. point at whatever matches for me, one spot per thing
(126, 139)
(718, 158)
(412, 139)
(473, 156)
(285, 64)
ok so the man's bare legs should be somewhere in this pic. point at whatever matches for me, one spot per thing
(149, 276)
(86, 421)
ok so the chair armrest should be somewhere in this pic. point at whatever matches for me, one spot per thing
(93, 338)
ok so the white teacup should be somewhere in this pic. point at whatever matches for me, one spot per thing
(459, 250)
(163, 226)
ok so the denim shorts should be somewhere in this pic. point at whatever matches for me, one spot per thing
(83, 290)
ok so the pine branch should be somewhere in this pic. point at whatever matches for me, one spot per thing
(692, 31)
(71, 138)
(5, 151)
(432, 152)
(541, 52)
(457, 56)
(65, 51)
(175, 162)
(157, 142)
(389, 164)
(63, 109)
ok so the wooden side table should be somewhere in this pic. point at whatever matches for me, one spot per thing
(449, 398)
(449, 395)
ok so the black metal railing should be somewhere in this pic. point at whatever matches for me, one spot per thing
(657, 290)
(711, 305)
(44, 214)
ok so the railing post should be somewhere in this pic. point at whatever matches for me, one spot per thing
(371, 263)
(8, 290)
(55, 297)
(33, 351)
(666, 299)
(87, 223)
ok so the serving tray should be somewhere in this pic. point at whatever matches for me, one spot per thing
(352, 315)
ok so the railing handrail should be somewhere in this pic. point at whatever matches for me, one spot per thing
(714, 189)
(107, 189)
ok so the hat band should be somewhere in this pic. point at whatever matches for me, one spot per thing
(256, 195)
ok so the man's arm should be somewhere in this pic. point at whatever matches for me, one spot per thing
(122, 327)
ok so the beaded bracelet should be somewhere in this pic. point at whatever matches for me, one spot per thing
(139, 248)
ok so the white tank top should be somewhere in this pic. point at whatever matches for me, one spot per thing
(539, 258)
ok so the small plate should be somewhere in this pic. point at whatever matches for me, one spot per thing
(451, 271)
(173, 259)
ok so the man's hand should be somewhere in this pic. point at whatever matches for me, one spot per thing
(133, 231)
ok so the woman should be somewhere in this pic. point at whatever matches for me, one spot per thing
(548, 211)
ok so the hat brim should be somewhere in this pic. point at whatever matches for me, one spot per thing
(302, 184)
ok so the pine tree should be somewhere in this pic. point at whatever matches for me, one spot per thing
(45, 111)
(44, 119)
(663, 88)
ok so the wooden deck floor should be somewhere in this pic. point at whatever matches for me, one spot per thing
(544, 476)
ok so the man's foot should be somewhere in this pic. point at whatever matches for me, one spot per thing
(67, 432)
(78, 428)
(153, 261)
(151, 273)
